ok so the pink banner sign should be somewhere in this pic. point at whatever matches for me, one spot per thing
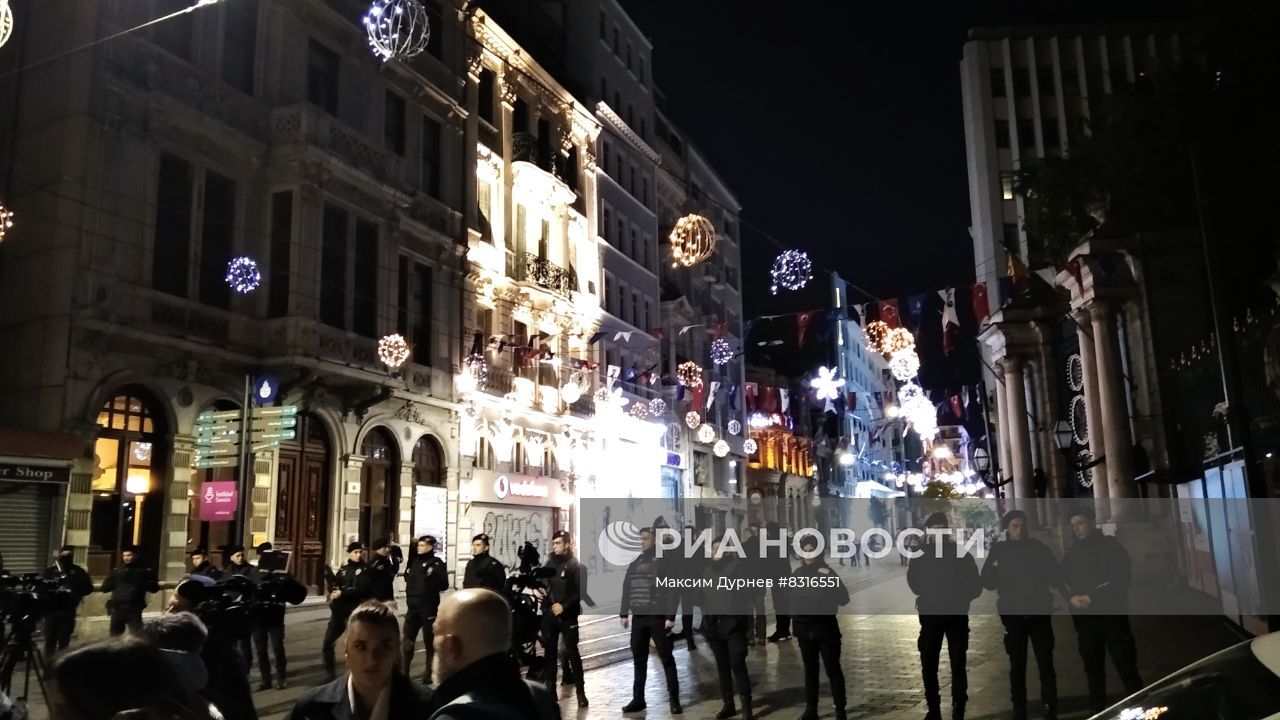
(218, 501)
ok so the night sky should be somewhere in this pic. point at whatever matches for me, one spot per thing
(838, 124)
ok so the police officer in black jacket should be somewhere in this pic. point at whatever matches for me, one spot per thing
(128, 584)
(483, 570)
(239, 628)
(945, 582)
(726, 627)
(349, 587)
(653, 608)
(1024, 573)
(278, 587)
(384, 570)
(818, 592)
(200, 565)
(424, 579)
(560, 613)
(1095, 573)
(73, 585)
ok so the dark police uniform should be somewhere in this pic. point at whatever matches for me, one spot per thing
(128, 585)
(354, 581)
(484, 570)
(383, 571)
(564, 588)
(651, 607)
(424, 579)
(205, 568)
(74, 584)
(819, 632)
(944, 587)
(240, 628)
(268, 621)
(726, 631)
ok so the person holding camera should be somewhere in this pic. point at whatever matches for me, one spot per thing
(74, 583)
(350, 586)
(277, 588)
(239, 575)
(200, 565)
(384, 569)
(483, 570)
(425, 578)
(128, 584)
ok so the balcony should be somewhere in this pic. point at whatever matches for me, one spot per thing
(305, 124)
(544, 273)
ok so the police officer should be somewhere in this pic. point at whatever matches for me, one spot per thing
(268, 621)
(128, 584)
(200, 565)
(424, 579)
(383, 570)
(74, 584)
(483, 570)
(818, 592)
(240, 628)
(726, 628)
(350, 586)
(653, 609)
(560, 616)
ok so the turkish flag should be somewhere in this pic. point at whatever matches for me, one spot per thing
(802, 326)
(981, 308)
(957, 408)
(889, 313)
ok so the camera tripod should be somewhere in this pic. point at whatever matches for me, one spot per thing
(20, 647)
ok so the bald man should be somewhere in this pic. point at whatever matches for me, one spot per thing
(474, 673)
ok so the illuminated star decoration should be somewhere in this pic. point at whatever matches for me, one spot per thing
(243, 275)
(397, 28)
(792, 271)
(721, 352)
(827, 386)
(721, 448)
(706, 433)
(393, 351)
(749, 446)
(692, 419)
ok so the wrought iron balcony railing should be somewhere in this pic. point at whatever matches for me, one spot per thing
(531, 268)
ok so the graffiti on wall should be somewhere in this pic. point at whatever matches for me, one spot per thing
(509, 530)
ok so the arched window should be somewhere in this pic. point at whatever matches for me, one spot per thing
(485, 459)
(428, 465)
(379, 486)
(430, 499)
(128, 491)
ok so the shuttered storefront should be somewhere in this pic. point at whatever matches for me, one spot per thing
(26, 514)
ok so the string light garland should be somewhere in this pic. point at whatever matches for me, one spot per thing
(243, 275)
(640, 411)
(6, 27)
(877, 336)
(735, 426)
(749, 446)
(397, 28)
(706, 433)
(689, 373)
(922, 415)
(900, 339)
(721, 352)
(721, 448)
(792, 270)
(657, 407)
(904, 365)
(692, 419)
(393, 351)
(693, 239)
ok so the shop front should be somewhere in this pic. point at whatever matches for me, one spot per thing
(36, 470)
(514, 509)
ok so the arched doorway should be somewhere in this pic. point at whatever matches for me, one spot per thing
(213, 536)
(302, 501)
(379, 486)
(128, 486)
(430, 496)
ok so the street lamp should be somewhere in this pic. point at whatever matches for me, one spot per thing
(982, 462)
(1077, 456)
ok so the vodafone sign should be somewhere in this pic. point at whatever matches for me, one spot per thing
(518, 489)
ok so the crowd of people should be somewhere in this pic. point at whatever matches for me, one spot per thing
(199, 651)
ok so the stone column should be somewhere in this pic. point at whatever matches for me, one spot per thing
(1111, 395)
(1002, 434)
(1019, 437)
(1093, 408)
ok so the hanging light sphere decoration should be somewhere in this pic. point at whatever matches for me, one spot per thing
(571, 392)
(477, 368)
(721, 448)
(904, 365)
(721, 352)
(640, 411)
(706, 433)
(899, 339)
(877, 336)
(692, 419)
(243, 275)
(749, 446)
(792, 271)
(689, 373)
(735, 426)
(692, 240)
(908, 392)
(393, 351)
(397, 28)
(657, 406)
(6, 215)
(6, 29)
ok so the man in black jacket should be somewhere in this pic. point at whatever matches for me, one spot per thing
(128, 584)
(475, 675)
(240, 628)
(73, 585)
(945, 582)
(819, 592)
(653, 610)
(278, 587)
(424, 579)
(1024, 572)
(384, 571)
(349, 587)
(560, 616)
(200, 564)
(1095, 573)
(483, 570)
(778, 564)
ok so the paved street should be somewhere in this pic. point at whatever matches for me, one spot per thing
(879, 660)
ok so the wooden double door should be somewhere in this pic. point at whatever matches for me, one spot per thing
(303, 488)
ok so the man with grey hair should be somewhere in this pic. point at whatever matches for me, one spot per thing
(475, 677)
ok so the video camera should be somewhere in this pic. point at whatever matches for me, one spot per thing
(237, 598)
(26, 598)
